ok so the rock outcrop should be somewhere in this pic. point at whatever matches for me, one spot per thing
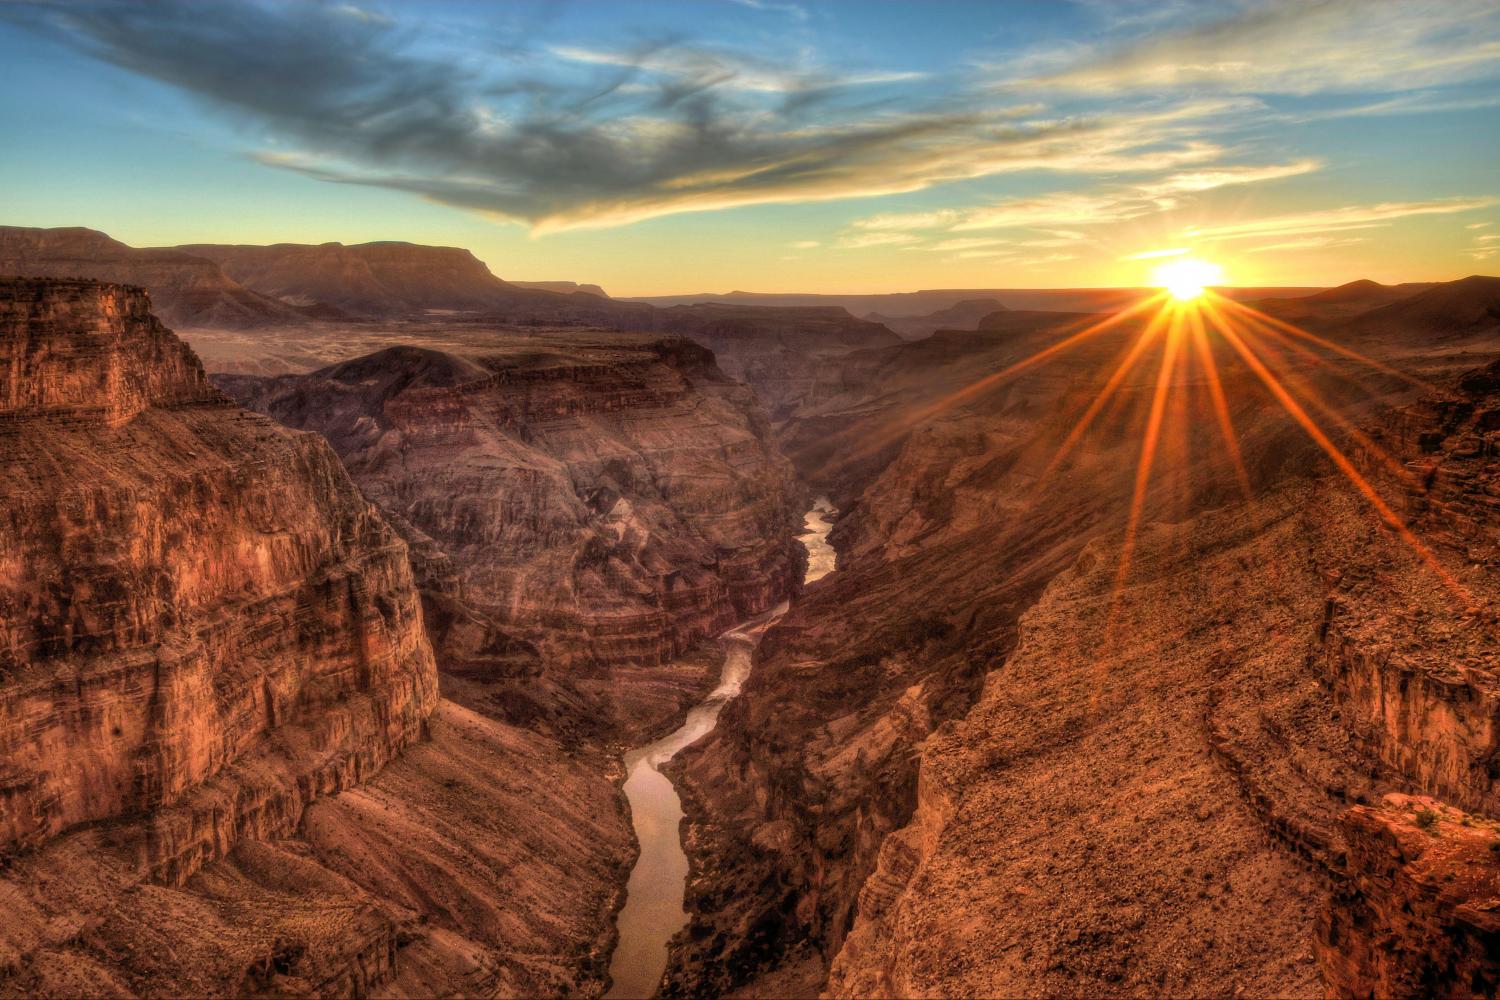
(575, 504)
(378, 280)
(188, 290)
(224, 766)
(201, 620)
(1131, 783)
(1420, 915)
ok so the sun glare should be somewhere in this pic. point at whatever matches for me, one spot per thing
(1186, 277)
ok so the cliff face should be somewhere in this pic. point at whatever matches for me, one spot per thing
(188, 290)
(1129, 785)
(201, 620)
(215, 688)
(576, 505)
(316, 304)
(779, 351)
(1419, 915)
(368, 279)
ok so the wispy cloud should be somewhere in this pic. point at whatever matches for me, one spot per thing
(1339, 219)
(964, 244)
(1290, 47)
(626, 134)
(861, 241)
(1309, 243)
(1154, 254)
(793, 10)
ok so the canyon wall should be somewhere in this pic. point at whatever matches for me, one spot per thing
(190, 593)
(575, 505)
(1029, 770)
(1418, 916)
(224, 765)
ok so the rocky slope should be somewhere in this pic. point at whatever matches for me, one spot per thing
(224, 766)
(780, 352)
(380, 280)
(1130, 784)
(576, 504)
(962, 315)
(203, 618)
(188, 290)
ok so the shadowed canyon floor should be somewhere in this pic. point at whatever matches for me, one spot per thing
(1053, 725)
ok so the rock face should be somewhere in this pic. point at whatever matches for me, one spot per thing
(566, 287)
(189, 290)
(317, 304)
(977, 760)
(1419, 915)
(1451, 311)
(201, 619)
(214, 684)
(388, 279)
(963, 315)
(576, 504)
(778, 351)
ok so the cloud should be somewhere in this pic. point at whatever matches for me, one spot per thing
(574, 136)
(1289, 47)
(1339, 219)
(863, 241)
(794, 10)
(1154, 254)
(964, 244)
(803, 244)
(1478, 225)
(1217, 177)
(1121, 203)
(1309, 243)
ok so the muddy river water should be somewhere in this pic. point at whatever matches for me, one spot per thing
(653, 909)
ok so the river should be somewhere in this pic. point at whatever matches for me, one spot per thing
(653, 909)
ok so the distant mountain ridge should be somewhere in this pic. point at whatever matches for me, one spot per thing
(381, 280)
(1450, 310)
(188, 290)
(565, 287)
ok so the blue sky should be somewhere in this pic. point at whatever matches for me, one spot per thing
(678, 147)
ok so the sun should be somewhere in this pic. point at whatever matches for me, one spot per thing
(1186, 277)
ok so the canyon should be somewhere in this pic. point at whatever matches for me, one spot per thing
(324, 668)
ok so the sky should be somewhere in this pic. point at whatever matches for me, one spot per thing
(775, 145)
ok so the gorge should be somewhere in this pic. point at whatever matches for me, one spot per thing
(510, 660)
(654, 895)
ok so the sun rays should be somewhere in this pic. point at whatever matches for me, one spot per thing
(1180, 352)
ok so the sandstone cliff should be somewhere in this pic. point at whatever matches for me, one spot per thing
(575, 504)
(1418, 917)
(188, 290)
(387, 279)
(214, 688)
(204, 620)
(312, 305)
(1020, 774)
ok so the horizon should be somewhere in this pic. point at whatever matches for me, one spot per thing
(660, 150)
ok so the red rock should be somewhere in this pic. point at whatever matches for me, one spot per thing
(1420, 914)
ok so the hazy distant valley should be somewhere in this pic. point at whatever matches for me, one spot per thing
(342, 579)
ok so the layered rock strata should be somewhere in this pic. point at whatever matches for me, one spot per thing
(203, 619)
(1420, 915)
(214, 684)
(1027, 773)
(575, 505)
